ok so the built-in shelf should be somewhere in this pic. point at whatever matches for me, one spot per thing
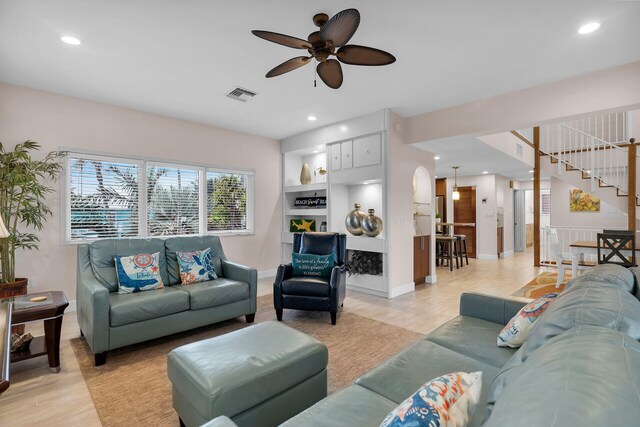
(309, 187)
(306, 212)
(368, 244)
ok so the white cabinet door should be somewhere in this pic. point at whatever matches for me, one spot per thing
(335, 157)
(347, 154)
(367, 151)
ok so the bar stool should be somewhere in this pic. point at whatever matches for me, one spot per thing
(447, 249)
(462, 247)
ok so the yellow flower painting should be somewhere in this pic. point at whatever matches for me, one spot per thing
(579, 201)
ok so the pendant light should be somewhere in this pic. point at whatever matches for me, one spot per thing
(456, 194)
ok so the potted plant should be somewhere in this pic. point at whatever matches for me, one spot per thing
(24, 186)
(438, 218)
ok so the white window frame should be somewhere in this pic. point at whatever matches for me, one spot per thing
(250, 201)
(142, 164)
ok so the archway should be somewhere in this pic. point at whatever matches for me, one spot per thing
(424, 259)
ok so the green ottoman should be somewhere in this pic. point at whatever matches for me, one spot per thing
(257, 376)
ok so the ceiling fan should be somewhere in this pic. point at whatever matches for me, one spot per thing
(334, 34)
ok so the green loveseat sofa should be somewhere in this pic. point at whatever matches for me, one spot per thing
(109, 320)
(579, 367)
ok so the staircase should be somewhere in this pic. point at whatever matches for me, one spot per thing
(591, 154)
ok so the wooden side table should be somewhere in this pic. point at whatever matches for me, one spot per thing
(51, 313)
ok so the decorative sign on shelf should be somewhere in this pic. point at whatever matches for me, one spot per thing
(315, 202)
(296, 225)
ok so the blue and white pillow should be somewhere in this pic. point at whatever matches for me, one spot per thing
(196, 266)
(138, 273)
(516, 332)
(446, 401)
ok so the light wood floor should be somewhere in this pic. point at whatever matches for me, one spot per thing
(37, 397)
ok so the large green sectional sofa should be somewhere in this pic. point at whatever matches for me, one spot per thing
(109, 320)
(579, 367)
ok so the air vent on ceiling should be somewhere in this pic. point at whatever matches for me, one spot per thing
(240, 94)
(519, 150)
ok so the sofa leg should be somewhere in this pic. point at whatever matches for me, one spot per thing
(333, 318)
(279, 314)
(250, 317)
(100, 358)
(182, 423)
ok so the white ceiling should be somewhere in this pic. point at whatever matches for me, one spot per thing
(179, 58)
(473, 157)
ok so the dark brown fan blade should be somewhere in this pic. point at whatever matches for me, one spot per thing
(361, 55)
(282, 39)
(289, 65)
(330, 72)
(341, 27)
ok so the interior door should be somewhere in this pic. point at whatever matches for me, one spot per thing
(464, 211)
(519, 229)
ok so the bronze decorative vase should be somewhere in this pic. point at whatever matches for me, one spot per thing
(353, 221)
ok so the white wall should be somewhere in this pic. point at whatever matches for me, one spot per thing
(528, 207)
(403, 162)
(509, 144)
(504, 199)
(58, 121)
(608, 217)
(615, 88)
(486, 221)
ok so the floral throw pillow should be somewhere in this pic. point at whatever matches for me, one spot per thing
(516, 332)
(138, 273)
(196, 266)
(446, 401)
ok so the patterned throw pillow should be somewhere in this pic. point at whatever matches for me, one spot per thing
(312, 265)
(516, 332)
(138, 273)
(446, 401)
(196, 266)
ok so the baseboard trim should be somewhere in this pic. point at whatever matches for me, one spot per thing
(401, 290)
(487, 256)
(506, 254)
(263, 274)
(367, 291)
(431, 279)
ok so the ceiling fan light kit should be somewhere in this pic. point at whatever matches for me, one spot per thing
(330, 40)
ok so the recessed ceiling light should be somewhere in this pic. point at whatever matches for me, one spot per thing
(436, 157)
(436, 176)
(315, 151)
(531, 171)
(589, 28)
(311, 118)
(485, 172)
(343, 128)
(70, 40)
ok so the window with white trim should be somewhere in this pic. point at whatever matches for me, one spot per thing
(102, 198)
(227, 201)
(114, 197)
(545, 203)
(173, 200)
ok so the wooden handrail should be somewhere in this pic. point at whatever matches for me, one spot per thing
(523, 138)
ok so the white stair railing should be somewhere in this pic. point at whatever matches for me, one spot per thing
(566, 236)
(590, 145)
